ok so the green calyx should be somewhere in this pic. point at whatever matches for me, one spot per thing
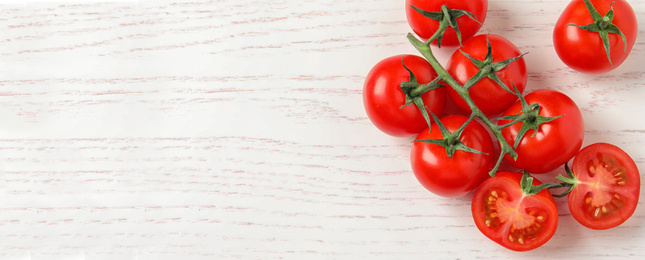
(447, 18)
(488, 68)
(526, 183)
(450, 140)
(529, 117)
(603, 26)
(413, 91)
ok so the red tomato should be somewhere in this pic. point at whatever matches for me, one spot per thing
(583, 50)
(607, 187)
(425, 27)
(511, 218)
(456, 176)
(555, 142)
(383, 97)
(487, 94)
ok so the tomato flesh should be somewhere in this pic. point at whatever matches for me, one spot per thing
(503, 213)
(607, 189)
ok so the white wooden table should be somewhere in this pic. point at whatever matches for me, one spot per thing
(235, 129)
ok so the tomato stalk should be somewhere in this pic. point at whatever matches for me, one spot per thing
(426, 51)
(569, 182)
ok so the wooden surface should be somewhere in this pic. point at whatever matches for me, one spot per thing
(235, 129)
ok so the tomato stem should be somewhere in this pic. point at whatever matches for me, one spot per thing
(569, 182)
(426, 51)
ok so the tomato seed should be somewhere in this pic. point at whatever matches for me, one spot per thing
(619, 173)
(596, 213)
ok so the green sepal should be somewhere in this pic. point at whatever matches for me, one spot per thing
(529, 117)
(603, 26)
(526, 183)
(447, 16)
(450, 140)
(412, 96)
(488, 68)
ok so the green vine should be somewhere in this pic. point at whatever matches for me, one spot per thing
(487, 69)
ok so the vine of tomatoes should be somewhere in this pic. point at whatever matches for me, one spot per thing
(537, 132)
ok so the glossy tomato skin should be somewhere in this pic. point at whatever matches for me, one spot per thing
(608, 186)
(425, 27)
(487, 94)
(456, 176)
(556, 142)
(383, 97)
(583, 50)
(516, 221)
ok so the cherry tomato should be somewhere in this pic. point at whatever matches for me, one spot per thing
(555, 142)
(607, 187)
(456, 176)
(584, 50)
(425, 27)
(383, 97)
(511, 218)
(489, 96)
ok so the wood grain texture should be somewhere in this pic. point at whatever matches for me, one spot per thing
(235, 129)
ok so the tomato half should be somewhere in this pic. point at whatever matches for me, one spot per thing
(487, 94)
(555, 142)
(383, 97)
(456, 176)
(584, 50)
(607, 188)
(504, 214)
(425, 27)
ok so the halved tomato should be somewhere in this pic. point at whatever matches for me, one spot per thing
(510, 216)
(607, 186)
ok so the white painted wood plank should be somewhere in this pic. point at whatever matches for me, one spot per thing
(235, 129)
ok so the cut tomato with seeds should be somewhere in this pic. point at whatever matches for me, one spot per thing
(607, 186)
(513, 219)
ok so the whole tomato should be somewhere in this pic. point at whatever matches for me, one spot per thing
(383, 98)
(504, 213)
(555, 142)
(456, 176)
(487, 94)
(425, 27)
(583, 50)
